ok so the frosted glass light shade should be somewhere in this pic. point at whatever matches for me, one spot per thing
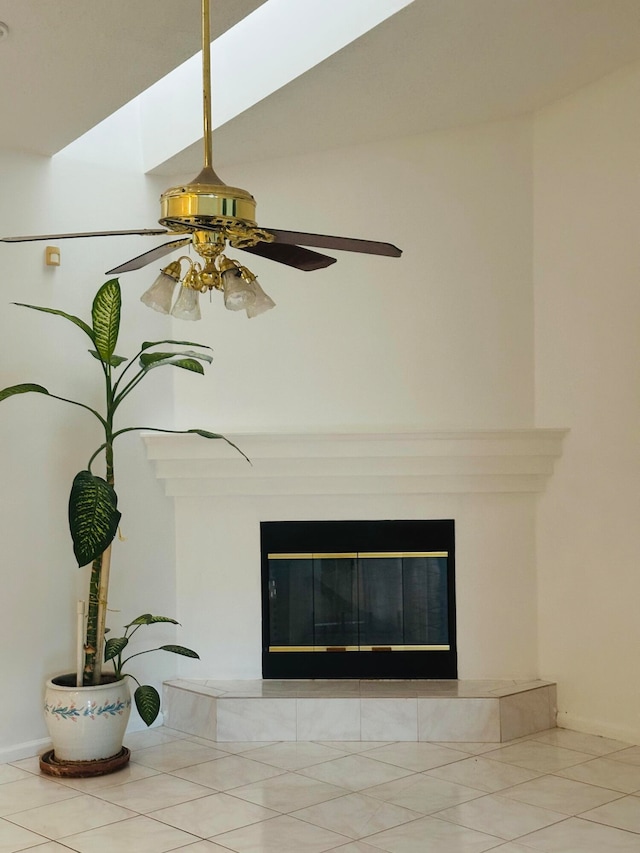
(160, 294)
(187, 305)
(238, 293)
(261, 303)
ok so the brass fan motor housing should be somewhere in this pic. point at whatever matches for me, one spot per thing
(215, 204)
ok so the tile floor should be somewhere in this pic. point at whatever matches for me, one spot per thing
(557, 792)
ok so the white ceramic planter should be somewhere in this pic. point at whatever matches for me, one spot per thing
(86, 723)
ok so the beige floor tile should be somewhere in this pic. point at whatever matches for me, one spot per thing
(356, 815)
(70, 816)
(581, 836)
(423, 793)
(31, 793)
(355, 772)
(130, 773)
(139, 834)
(352, 746)
(416, 756)
(156, 792)
(288, 792)
(538, 756)
(623, 813)
(483, 774)
(593, 744)
(294, 755)
(237, 747)
(51, 847)
(30, 765)
(230, 772)
(561, 795)
(175, 755)
(202, 847)
(14, 838)
(617, 775)
(149, 738)
(431, 834)
(355, 847)
(281, 835)
(499, 816)
(629, 756)
(212, 815)
(8, 773)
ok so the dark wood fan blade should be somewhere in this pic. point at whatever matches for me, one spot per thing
(148, 257)
(292, 256)
(346, 244)
(145, 232)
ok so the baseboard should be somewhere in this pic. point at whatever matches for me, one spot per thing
(597, 727)
(24, 750)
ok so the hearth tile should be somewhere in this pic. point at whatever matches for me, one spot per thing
(195, 685)
(226, 773)
(458, 719)
(538, 756)
(212, 815)
(324, 719)
(188, 712)
(604, 772)
(389, 719)
(525, 713)
(416, 756)
(294, 755)
(328, 689)
(357, 815)
(483, 774)
(581, 836)
(423, 793)
(355, 772)
(256, 719)
(592, 744)
(283, 834)
(389, 689)
(499, 816)
(432, 834)
(561, 795)
(289, 792)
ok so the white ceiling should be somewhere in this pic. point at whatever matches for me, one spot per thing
(67, 64)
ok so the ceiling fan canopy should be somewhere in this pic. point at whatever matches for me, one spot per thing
(207, 214)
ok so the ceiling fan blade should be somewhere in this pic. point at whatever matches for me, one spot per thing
(292, 256)
(150, 256)
(346, 244)
(145, 232)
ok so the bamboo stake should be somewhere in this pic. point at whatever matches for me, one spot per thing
(80, 610)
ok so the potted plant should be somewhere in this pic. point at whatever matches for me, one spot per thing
(80, 708)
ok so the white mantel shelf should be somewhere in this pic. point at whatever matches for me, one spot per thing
(443, 462)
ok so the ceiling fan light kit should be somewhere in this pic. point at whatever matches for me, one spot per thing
(206, 214)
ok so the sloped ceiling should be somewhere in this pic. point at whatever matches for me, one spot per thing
(67, 64)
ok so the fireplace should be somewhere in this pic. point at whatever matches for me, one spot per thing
(358, 599)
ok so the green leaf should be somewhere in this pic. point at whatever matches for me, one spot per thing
(105, 314)
(76, 320)
(93, 516)
(181, 650)
(21, 389)
(148, 619)
(147, 701)
(114, 647)
(148, 358)
(148, 344)
(206, 434)
(114, 361)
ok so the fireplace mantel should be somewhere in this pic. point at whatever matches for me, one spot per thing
(443, 462)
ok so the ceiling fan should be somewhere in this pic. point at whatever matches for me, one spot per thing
(207, 214)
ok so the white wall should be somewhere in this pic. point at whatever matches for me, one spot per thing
(44, 443)
(587, 310)
(442, 337)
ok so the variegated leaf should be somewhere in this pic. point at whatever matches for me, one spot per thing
(93, 516)
(180, 650)
(25, 388)
(147, 701)
(105, 314)
(114, 647)
(148, 344)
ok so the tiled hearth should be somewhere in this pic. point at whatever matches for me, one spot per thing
(445, 711)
